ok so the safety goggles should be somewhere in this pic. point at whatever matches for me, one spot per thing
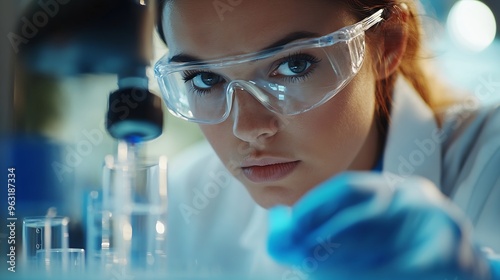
(288, 80)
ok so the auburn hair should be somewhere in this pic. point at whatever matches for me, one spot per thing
(412, 66)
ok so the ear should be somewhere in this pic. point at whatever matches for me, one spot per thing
(392, 41)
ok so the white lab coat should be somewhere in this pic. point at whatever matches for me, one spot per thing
(215, 227)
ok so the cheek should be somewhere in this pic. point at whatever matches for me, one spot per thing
(335, 132)
(357, 102)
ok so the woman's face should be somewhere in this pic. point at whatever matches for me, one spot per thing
(278, 158)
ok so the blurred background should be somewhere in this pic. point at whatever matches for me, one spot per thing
(464, 38)
(52, 115)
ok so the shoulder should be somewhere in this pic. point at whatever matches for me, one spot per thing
(471, 136)
(193, 165)
(471, 161)
(469, 118)
(207, 208)
(198, 177)
(471, 141)
(202, 191)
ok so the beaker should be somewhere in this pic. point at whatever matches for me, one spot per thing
(133, 213)
(43, 233)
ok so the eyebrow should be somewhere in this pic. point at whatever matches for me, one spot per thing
(182, 57)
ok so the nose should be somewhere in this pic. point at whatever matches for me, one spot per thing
(252, 121)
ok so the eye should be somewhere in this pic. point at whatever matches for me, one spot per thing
(205, 80)
(295, 65)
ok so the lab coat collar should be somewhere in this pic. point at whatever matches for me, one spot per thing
(413, 146)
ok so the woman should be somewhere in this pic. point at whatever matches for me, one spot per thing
(324, 107)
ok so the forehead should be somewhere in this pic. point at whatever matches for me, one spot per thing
(212, 29)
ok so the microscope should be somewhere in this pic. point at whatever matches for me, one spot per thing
(66, 38)
(73, 37)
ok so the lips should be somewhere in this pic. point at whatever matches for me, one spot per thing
(268, 169)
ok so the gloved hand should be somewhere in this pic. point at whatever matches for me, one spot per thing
(357, 226)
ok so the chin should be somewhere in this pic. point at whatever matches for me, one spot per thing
(270, 196)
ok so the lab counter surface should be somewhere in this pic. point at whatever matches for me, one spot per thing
(118, 276)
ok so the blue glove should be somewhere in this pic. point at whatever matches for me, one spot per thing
(358, 226)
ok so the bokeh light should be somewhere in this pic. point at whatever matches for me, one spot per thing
(472, 25)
